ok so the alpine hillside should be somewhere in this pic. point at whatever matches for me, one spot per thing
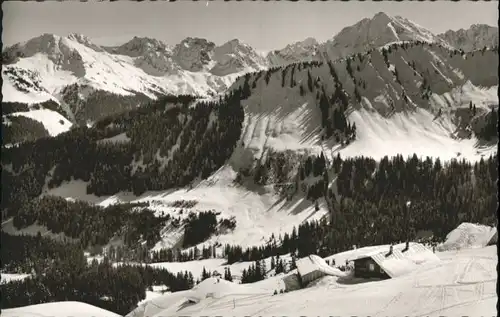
(147, 170)
(402, 98)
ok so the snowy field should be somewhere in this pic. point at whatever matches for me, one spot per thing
(407, 134)
(461, 283)
(53, 122)
(58, 309)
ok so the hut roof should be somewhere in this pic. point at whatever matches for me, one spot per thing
(398, 262)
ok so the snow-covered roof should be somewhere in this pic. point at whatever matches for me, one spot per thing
(468, 235)
(398, 262)
(306, 265)
(313, 263)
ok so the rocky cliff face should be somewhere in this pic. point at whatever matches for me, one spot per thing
(476, 37)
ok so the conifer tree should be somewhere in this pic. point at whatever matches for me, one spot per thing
(309, 81)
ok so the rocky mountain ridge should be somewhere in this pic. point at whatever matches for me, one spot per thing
(476, 37)
(90, 81)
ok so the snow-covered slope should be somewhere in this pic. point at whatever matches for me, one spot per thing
(474, 38)
(468, 235)
(140, 65)
(47, 66)
(258, 214)
(58, 309)
(462, 282)
(54, 122)
(408, 98)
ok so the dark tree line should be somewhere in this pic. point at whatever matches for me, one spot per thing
(490, 130)
(333, 109)
(61, 273)
(177, 255)
(256, 272)
(92, 225)
(22, 129)
(201, 226)
(279, 266)
(9, 107)
(370, 207)
(95, 226)
(227, 274)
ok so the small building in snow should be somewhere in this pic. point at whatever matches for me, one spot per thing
(393, 261)
(308, 270)
(292, 282)
(366, 267)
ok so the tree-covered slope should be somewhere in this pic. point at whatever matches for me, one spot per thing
(167, 144)
(407, 93)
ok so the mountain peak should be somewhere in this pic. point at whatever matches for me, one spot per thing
(235, 56)
(376, 32)
(141, 46)
(482, 26)
(305, 50)
(310, 41)
(146, 42)
(84, 40)
(235, 41)
(232, 44)
(43, 39)
(196, 40)
(381, 16)
(78, 37)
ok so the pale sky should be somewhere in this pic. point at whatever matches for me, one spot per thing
(263, 25)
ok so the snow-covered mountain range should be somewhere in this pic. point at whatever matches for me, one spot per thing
(72, 70)
(378, 31)
(476, 37)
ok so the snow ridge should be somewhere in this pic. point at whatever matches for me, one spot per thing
(474, 38)
(142, 65)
